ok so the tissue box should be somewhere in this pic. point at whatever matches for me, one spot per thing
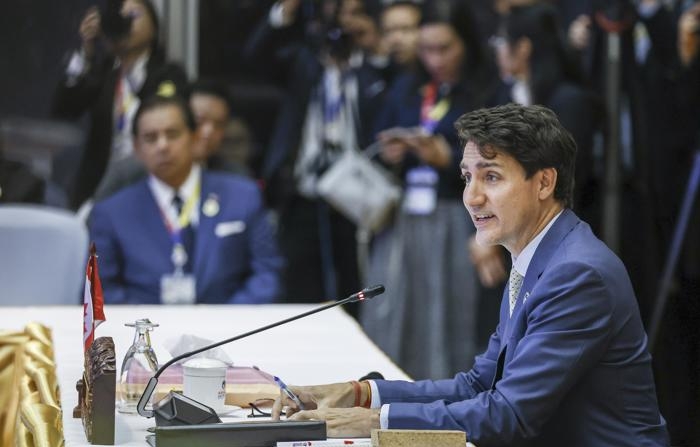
(244, 384)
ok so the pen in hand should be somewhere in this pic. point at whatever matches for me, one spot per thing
(289, 393)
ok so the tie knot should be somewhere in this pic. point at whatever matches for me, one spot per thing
(177, 203)
(515, 277)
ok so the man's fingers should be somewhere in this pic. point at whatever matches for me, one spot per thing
(276, 409)
(306, 415)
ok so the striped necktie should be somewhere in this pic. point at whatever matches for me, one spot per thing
(187, 235)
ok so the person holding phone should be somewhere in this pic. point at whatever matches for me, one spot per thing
(432, 287)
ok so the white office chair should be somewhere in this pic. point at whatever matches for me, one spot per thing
(43, 252)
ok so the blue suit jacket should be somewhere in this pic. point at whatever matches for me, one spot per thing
(570, 368)
(134, 246)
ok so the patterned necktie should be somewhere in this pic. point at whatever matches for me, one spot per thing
(515, 282)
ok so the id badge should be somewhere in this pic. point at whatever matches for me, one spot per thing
(177, 288)
(420, 197)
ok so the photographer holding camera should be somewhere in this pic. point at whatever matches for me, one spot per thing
(120, 62)
(328, 52)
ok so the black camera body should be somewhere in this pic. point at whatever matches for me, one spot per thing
(114, 25)
(324, 31)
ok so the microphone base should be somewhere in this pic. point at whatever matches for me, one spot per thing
(176, 409)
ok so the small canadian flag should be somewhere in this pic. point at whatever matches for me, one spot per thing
(93, 300)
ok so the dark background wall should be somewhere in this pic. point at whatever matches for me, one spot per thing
(35, 36)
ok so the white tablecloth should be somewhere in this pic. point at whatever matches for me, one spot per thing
(326, 347)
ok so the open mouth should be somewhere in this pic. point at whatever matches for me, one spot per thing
(481, 218)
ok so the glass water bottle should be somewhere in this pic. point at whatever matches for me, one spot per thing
(138, 367)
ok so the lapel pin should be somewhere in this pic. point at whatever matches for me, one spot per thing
(211, 206)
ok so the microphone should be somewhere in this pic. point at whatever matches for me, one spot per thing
(364, 294)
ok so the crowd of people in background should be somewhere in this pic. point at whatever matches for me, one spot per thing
(392, 74)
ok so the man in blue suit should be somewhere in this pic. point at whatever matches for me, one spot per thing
(183, 235)
(568, 364)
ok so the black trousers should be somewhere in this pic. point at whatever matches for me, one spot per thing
(321, 252)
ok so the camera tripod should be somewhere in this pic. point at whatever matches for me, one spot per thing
(674, 252)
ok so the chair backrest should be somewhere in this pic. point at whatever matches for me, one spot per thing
(43, 252)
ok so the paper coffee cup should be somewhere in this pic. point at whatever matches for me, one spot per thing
(204, 380)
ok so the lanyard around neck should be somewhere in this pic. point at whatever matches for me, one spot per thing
(185, 216)
(432, 111)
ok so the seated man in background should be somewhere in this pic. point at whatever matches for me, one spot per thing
(211, 105)
(183, 235)
(568, 364)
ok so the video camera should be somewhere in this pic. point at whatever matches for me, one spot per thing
(115, 26)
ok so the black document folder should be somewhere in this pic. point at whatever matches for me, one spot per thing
(237, 434)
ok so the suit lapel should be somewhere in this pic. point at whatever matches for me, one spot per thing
(549, 244)
(153, 220)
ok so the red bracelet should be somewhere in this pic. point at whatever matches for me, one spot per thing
(358, 392)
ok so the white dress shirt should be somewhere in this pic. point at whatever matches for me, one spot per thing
(164, 195)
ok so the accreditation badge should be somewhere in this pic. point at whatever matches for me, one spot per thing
(420, 197)
(177, 288)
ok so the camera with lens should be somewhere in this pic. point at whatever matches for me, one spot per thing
(324, 30)
(115, 26)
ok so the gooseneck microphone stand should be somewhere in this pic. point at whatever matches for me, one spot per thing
(367, 293)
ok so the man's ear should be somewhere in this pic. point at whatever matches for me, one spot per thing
(547, 182)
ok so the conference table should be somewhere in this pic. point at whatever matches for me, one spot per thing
(325, 347)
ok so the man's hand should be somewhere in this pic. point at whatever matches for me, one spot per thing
(431, 149)
(337, 395)
(688, 37)
(289, 10)
(90, 30)
(580, 32)
(393, 145)
(354, 422)
(488, 261)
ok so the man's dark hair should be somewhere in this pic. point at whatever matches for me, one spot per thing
(532, 135)
(212, 87)
(158, 101)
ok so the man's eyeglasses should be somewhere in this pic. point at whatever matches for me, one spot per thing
(256, 412)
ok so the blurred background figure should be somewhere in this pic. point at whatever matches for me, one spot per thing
(399, 24)
(17, 182)
(540, 70)
(330, 53)
(183, 235)
(433, 290)
(119, 63)
(677, 353)
(211, 106)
